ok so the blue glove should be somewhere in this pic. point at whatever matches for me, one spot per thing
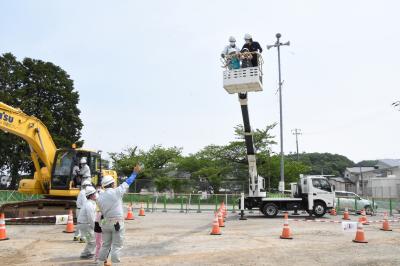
(130, 179)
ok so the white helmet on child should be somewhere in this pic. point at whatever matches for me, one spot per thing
(107, 180)
(83, 160)
(247, 37)
(89, 191)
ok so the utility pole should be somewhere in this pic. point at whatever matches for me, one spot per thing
(278, 44)
(297, 132)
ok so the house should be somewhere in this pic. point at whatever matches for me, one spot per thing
(342, 184)
(382, 180)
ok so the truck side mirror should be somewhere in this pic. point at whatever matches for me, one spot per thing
(333, 187)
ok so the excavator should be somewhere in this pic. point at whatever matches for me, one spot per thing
(54, 168)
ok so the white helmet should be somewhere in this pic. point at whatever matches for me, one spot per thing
(83, 160)
(86, 183)
(106, 180)
(232, 39)
(89, 191)
(247, 36)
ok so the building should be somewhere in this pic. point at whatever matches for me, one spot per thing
(382, 180)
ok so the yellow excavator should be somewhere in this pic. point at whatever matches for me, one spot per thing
(54, 176)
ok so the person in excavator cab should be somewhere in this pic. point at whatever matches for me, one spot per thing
(84, 170)
(252, 47)
(80, 202)
(231, 54)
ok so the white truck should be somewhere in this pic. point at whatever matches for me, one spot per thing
(313, 194)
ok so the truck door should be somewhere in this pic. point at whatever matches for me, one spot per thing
(323, 191)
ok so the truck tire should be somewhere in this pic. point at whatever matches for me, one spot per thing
(270, 210)
(319, 209)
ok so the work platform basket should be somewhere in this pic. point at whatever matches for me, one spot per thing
(243, 80)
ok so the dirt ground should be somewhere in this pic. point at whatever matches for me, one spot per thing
(175, 238)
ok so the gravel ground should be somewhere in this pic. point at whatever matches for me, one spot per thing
(175, 238)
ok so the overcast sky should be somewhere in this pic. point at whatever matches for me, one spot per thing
(148, 72)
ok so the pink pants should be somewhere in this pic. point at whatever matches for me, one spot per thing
(99, 243)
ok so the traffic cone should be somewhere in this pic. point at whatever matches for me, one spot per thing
(141, 211)
(220, 219)
(346, 215)
(364, 218)
(215, 227)
(70, 223)
(360, 236)
(129, 215)
(3, 234)
(386, 225)
(333, 212)
(286, 232)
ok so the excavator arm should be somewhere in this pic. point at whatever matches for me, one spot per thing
(40, 142)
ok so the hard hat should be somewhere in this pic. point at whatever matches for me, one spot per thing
(247, 36)
(89, 191)
(106, 180)
(232, 39)
(86, 183)
(232, 50)
(83, 160)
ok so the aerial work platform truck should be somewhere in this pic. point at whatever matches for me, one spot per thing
(313, 194)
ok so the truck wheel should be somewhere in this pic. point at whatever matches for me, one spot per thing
(319, 209)
(270, 210)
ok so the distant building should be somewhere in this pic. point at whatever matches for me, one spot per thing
(382, 180)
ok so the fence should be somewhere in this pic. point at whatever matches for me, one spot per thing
(13, 195)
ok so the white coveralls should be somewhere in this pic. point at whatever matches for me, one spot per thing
(86, 221)
(80, 202)
(110, 204)
(85, 173)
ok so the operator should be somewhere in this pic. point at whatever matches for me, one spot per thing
(230, 48)
(80, 202)
(86, 221)
(112, 226)
(253, 47)
(85, 170)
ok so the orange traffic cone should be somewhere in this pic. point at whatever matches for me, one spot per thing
(129, 215)
(141, 211)
(215, 227)
(3, 234)
(364, 218)
(70, 223)
(333, 212)
(386, 225)
(360, 236)
(286, 232)
(346, 215)
(220, 219)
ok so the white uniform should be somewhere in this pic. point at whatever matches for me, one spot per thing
(80, 202)
(110, 204)
(86, 221)
(85, 173)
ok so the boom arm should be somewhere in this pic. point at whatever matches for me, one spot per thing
(256, 182)
(35, 133)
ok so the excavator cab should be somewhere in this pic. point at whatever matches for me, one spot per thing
(65, 175)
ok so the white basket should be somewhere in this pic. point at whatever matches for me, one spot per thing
(243, 80)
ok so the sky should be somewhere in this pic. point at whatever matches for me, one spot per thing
(148, 72)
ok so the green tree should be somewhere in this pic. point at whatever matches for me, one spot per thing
(46, 91)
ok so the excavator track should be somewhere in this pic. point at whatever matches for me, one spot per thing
(41, 211)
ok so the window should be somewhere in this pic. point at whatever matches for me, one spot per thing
(321, 184)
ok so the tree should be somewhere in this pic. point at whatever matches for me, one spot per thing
(40, 89)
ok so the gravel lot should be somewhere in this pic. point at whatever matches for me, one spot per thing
(175, 238)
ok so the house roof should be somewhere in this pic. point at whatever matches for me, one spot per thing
(389, 162)
(357, 170)
(340, 179)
